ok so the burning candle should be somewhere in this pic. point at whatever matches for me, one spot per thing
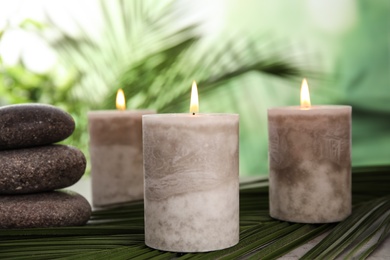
(191, 180)
(310, 162)
(116, 154)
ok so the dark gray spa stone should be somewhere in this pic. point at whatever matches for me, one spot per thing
(38, 169)
(48, 209)
(29, 125)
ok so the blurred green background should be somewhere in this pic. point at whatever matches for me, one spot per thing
(246, 56)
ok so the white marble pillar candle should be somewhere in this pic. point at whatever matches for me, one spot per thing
(191, 181)
(116, 156)
(310, 163)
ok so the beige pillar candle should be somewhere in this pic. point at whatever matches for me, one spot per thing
(191, 181)
(116, 156)
(310, 163)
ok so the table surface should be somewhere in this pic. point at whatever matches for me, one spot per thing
(83, 187)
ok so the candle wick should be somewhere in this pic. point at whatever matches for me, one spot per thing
(193, 114)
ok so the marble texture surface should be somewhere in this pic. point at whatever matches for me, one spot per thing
(191, 182)
(29, 125)
(116, 156)
(310, 163)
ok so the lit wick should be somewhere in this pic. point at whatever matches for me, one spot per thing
(194, 105)
(305, 95)
(120, 100)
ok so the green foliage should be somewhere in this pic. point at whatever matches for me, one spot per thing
(19, 85)
(362, 72)
(118, 233)
(141, 47)
(142, 50)
(166, 77)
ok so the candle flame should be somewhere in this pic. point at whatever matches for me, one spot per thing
(120, 100)
(194, 105)
(305, 95)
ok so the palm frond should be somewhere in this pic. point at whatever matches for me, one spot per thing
(128, 32)
(118, 233)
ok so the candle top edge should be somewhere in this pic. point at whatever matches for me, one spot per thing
(119, 112)
(173, 115)
(317, 107)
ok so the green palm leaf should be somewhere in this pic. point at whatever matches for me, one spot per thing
(118, 233)
(130, 33)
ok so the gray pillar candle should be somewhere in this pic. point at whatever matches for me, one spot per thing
(310, 163)
(191, 181)
(116, 154)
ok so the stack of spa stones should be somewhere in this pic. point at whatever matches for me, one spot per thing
(32, 167)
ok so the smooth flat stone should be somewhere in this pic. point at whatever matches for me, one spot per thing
(29, 125)
(48, 209)
(38, 169)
